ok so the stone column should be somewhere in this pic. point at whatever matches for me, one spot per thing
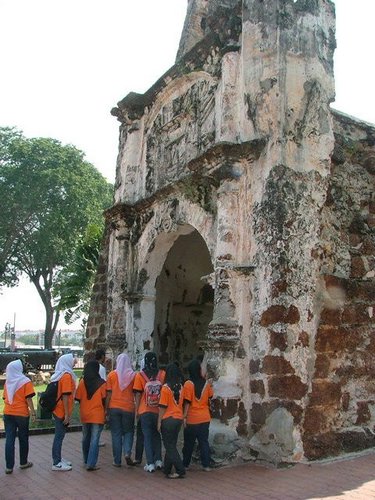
(287, 50)
(117, 282)
(140, 317)
(226, 357)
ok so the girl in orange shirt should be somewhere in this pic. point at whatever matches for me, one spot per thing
(91, 394)
(170, 420)
(121, 409)
(18, 394)
(66, 379)
(147, 411)
(197, 394)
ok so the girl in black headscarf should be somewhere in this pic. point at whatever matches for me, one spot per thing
(147, 388)
(197, 394)
(91, 394)
(151, 365)
(91, 378)
(170, 420)
(195, 375)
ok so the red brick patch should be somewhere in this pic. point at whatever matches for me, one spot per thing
(276, 365)
(257, 387)
(280, 314)
(363, 413)
(287, 387)
(278, 340)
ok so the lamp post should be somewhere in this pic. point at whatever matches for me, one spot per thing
(6, 331)
(12, 338)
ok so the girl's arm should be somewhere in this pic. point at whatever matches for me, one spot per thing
(106, 404)
(108, 400)
(162, 410)
(186, 409)
(137, 402)
(30, 405)
(65, 399)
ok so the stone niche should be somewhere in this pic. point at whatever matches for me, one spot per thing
(243, 231)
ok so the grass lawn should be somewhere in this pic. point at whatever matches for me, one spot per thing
(45, 423)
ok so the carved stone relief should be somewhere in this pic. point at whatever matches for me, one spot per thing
(183, 129)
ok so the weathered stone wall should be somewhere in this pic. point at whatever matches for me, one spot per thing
(96, 325)
(340, 414)
(237, 143)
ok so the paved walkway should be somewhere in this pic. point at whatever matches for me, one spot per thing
(345, 479)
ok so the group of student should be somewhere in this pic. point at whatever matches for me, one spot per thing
(161, 402)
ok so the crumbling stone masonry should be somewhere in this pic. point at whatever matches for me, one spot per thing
(243, 228)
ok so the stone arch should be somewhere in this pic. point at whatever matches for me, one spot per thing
(164, 238)
(171, 219)
(175, 88)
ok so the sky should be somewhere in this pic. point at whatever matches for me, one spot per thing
(66, 64)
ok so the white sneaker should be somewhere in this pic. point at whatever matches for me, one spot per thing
(149, 468)
(158, 464)
(66, 462)
(61, 466)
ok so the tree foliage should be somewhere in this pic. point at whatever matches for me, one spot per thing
(49, 195)
(76, 280)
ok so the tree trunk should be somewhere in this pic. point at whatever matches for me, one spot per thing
(52, 315)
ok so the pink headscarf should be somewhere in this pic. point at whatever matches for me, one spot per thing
(124, 370)
(15, 378)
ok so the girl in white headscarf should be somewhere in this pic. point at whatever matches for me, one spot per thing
(139, 443)
(66, 379)
(18, 394)
(65, 364)
(121, 409)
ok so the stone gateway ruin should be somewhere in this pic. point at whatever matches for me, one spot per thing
(243, 230)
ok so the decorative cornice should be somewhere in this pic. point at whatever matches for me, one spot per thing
(133, 106)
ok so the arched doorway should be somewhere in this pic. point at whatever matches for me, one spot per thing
(184, 301)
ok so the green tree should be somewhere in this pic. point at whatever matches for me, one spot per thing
(29, 339)
(76, 280)
(49, 194)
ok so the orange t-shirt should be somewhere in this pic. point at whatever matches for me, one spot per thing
(199, 411)
(91, 410)
(167, 400)
(124, 400)
(19, 406)
(139, 386)
(66, 386)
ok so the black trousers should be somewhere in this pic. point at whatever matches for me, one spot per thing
(170, 428)
(194, 432)
(139, 444)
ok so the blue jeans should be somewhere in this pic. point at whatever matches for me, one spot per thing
(122, 432)
(90, 443)
(152, 439)
(12, 423)
(191, 433)
(60, 431)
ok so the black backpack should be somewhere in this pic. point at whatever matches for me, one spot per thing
(48, 399)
